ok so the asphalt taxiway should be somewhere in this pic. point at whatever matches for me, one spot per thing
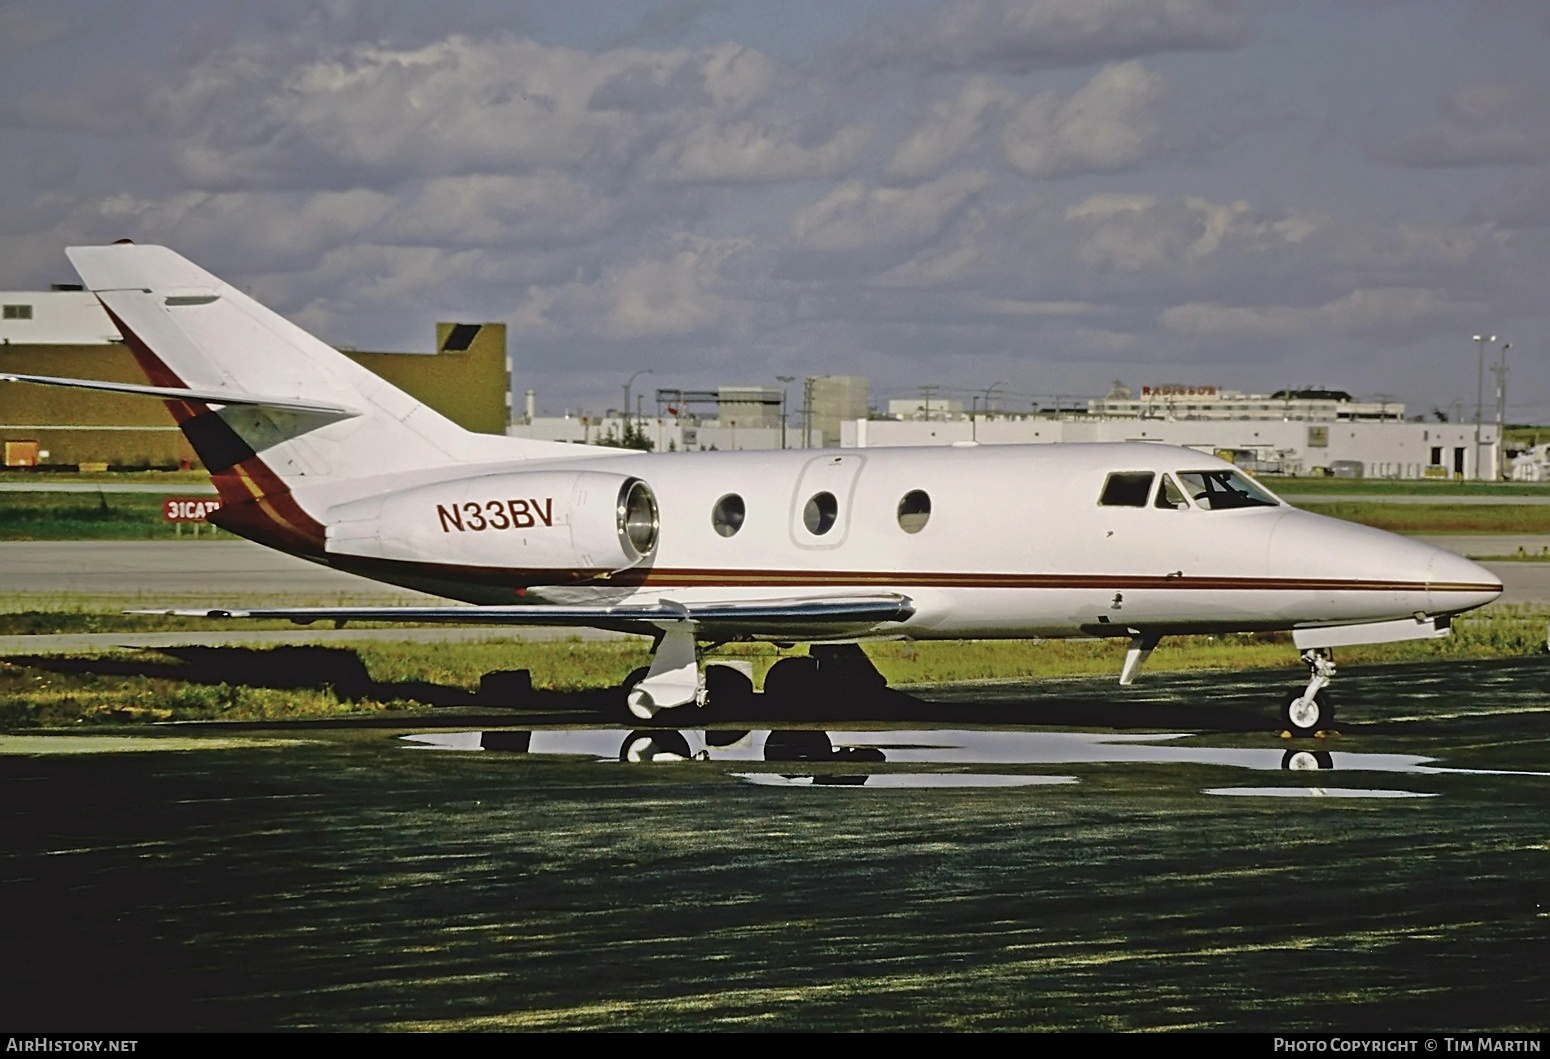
(1055, 855)
(1017, 855)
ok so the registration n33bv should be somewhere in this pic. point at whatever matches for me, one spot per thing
(313, 455)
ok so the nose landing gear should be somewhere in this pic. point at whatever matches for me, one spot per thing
(1309, 711)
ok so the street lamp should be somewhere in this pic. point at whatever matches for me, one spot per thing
(1501, 411)
(628, 384)
(988, 391)
(785, 385)
(1480, 341)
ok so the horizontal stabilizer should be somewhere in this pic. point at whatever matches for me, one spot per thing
(831, 614)
(209, 395)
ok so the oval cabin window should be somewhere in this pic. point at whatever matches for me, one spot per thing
(914, 511)
(727, 515)
(820, 513)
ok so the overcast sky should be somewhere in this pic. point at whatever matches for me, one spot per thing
(1042, 196)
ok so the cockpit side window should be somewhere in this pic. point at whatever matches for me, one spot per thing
(1218, 490)
(1127, 489)
(1170, 496)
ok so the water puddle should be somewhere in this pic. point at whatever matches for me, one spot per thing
(1313, 792)
(867, 757)
(901, 779)
(925, 746)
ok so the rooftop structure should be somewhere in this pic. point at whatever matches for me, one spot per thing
(1176, 401)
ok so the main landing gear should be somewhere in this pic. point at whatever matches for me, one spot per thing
(831, 676)
(1309, 711)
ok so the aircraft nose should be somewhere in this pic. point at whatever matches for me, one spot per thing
(1454, 583)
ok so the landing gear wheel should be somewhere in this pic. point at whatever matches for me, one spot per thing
(1304, 716)
(1307, 761)
(626, 686)
(727, 691)
(664, 745)
(792, 680)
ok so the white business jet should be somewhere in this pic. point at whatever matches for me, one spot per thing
(316, 456)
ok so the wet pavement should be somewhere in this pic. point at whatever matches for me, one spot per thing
(1018, 855)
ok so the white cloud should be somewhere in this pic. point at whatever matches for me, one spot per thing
(856, 217)
(1106, 125)
(370, 114)
(1017, 36)
(749, 150)
(1391, 314)
(950, 128)
(1142, 234)
(671, 294)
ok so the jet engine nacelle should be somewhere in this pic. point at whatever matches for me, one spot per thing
(582, 521)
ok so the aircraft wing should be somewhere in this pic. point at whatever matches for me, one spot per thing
(819, 617)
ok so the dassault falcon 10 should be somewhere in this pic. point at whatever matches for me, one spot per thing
(317, 457)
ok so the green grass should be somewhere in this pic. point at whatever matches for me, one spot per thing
(1441, 518)
(45, 476)
(376, 677)
(92, 517)
(1442, 490)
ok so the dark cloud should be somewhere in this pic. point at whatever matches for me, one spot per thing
(1499, 123)
(993, 191)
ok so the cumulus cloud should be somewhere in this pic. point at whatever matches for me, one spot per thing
(746, 151)
(949, 128)
(1388, 314)
(855, 217)
(253, 115)
(1141, 233)
(1104, 126)
(674, 292)
(1018, 36)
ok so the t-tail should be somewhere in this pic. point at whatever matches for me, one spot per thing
(270, 410)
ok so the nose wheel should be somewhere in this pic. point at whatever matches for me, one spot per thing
(1309, 711)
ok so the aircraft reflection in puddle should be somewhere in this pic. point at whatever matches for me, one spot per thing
(934, 747)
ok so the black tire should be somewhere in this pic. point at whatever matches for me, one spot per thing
(663, 745)
(727, 690)
(792, 680)
(798, 744)
(1304, 718)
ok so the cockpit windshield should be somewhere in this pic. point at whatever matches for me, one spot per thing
(1215, 490)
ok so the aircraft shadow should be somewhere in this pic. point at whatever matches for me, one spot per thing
(1174, 701)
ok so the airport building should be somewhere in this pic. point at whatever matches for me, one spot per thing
(65, 333)
(728, 418)
(1176, 401)
(1353, 449)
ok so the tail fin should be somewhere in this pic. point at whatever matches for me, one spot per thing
(287, 411)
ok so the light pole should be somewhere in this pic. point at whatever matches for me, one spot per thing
(785, 385)
(988, 391)
(1501, 411)
(628, 384)
(1480, 341)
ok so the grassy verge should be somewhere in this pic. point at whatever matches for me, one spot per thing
(1442, 490)
(92, 517)
(373, 678)
(1440, 518)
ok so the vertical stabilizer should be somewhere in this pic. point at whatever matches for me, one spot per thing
(191, 331)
